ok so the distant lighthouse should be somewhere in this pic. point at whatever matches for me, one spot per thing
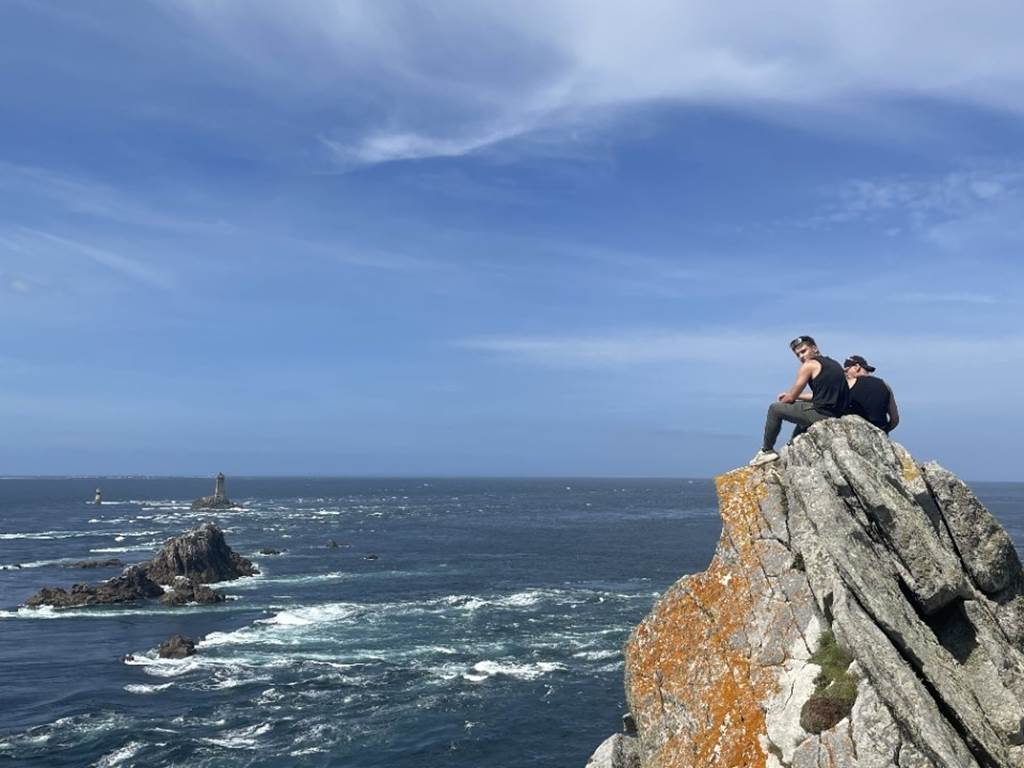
(219, 500)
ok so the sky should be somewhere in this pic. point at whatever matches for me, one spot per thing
(560, 238)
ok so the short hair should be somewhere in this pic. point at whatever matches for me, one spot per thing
(801, 340)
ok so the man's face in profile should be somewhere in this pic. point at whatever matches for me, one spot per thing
(805, 352)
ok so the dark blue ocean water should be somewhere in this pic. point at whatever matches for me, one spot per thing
(488, 631)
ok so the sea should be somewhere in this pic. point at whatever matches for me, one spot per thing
(458, 622)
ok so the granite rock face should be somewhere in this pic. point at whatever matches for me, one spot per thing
(202, 554)
(185, 591)
(910, 574)
(185, 563)
(133, 584)
(177, 647)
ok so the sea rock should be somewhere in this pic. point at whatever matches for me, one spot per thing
(213, 502)
(202, 554)
(111, 562)
(218, 500)
(845, 537)
(187, 591)
(617, 751)
(177, 647)
(133, 584)
(270, 551)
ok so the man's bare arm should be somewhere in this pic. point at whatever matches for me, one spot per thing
(802, 377)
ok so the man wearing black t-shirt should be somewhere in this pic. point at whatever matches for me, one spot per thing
(828, 397)
(870, 397)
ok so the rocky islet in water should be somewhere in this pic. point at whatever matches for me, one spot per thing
(184, 564)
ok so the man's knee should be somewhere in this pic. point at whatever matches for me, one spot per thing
(776, 409)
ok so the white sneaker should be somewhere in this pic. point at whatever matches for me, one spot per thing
(763, 457)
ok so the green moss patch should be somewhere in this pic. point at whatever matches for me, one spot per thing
(835, 689)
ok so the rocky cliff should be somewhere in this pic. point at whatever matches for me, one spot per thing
(861, 609)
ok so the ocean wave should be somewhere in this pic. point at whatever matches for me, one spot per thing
(119, 756)
(95, 612)
(46, 535)
(143, 689)
(483, 670)
(271, 630)
(66, 730)
(142, 546)
(36, 563)
(40, 535)
(597, 655)
(241, 738)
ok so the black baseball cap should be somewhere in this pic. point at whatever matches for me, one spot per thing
(858, 360)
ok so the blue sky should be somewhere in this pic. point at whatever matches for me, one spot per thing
(566, 238)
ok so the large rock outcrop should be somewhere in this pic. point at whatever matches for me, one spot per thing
(184, 563)
(202, 554)
(860, 610)
(133, 584)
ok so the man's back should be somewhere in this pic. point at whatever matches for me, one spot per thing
(869, 399)
(829, 388)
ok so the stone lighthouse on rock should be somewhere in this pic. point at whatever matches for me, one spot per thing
(219, 500)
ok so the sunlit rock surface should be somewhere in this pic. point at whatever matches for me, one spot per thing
(846, 537)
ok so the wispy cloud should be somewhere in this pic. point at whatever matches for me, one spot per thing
(128, 267)
(925, 199)
(626, 348)
(91, 198)
(920, 297)
(734, 348)
(469, 76)
(382, 147)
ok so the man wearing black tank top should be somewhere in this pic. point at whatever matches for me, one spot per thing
(828, 398)
(870, 397)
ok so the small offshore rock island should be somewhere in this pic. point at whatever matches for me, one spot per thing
(861, 609)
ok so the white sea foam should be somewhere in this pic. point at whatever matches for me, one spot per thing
(120, 756)
(142, 546)
(241, 738)
(48, 535)
(94, 612)
(142, 688)
(597, 655)
(36, 563)
(483, 670)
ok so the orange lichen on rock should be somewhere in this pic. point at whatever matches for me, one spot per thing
(690, 678)
(910, 471)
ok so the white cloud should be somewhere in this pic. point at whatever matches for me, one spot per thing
(449, 78)
(934, 369)
(926, 198)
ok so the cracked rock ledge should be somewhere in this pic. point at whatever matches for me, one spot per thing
(846, 539)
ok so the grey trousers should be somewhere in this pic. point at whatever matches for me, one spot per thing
(801, 413)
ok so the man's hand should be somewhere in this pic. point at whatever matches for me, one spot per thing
(785, 397)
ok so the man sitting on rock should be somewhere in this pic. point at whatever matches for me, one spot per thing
(828, 397)
(870, 397)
